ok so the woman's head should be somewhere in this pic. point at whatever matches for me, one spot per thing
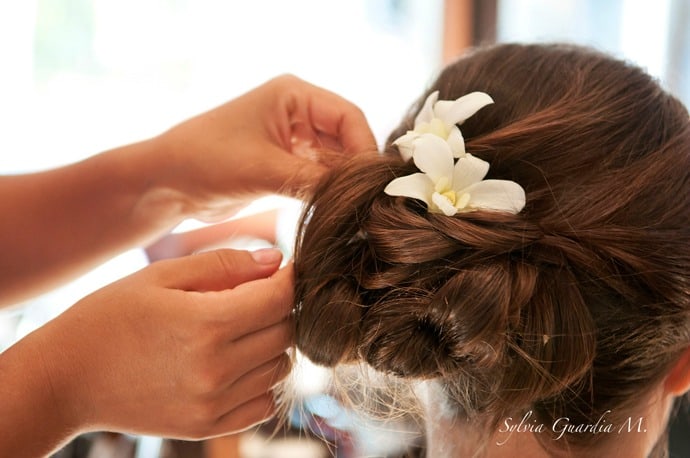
(573, 306)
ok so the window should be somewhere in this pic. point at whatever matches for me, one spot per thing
(654, 35)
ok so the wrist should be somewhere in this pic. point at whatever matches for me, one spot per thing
(201, 188)
(157, 182)
(36, 401)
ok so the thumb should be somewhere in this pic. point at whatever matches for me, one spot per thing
(216, 270)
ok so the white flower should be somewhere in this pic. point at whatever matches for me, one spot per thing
(441, 118)
(447, 187)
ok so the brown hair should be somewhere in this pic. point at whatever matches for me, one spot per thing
(569, 308)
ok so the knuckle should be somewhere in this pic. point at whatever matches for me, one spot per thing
(357, 111)
(207, 383)
(227, 260)
(286, 79)
(158, 270)
(282, 289)
(264, 409)
(203, 417)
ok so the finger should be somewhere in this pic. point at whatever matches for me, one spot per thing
(305, 141)
(260, 225)
(258, 381)
(328, 142)
(252, 350)
(261, 303)
(328, 113)
(333, 115)
(245, 416)
(216, 270)
(300, 175)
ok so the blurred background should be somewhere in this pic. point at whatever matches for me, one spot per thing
(82, 76)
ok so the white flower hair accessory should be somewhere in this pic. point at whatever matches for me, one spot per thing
(447, 186)
(441, 117)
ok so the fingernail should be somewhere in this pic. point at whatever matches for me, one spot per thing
(267, 256)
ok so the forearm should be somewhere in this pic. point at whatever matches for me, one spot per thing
(32, 421)
(60, 223)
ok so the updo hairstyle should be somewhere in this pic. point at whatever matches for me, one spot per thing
(570, 308)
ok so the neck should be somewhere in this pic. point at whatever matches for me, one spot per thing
(452, 435)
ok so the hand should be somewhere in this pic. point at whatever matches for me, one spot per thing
(186, 348)
(206, 168)
(261, 226)
(253, 145)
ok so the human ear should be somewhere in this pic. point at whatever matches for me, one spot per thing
(677, 382)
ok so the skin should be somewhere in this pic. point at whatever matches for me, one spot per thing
(188, 347)
(261, 226)
(449, 436)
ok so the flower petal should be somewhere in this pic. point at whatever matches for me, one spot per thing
(499, 195)
(432, 155)
(426, 114)
(442, 203)
(456, 112)
(467, 171)
(416, 186)
(405, 144)
(456, 142)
